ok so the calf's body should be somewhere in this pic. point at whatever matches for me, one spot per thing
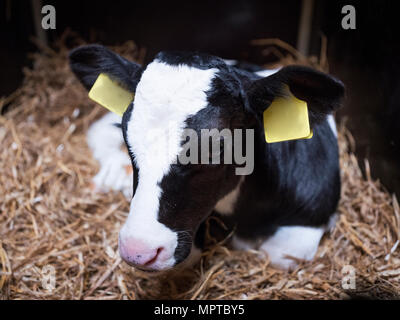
(282, 206)
(289, 200)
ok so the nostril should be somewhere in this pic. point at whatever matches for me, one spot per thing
(154, 259)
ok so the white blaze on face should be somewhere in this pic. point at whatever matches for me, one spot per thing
(165, 97)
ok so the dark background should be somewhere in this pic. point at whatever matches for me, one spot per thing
(366, 59)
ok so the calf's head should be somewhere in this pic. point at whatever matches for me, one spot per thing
(176, 92)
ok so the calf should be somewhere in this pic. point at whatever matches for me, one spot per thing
(282, 207)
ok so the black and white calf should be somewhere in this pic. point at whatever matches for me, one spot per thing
(282, 208)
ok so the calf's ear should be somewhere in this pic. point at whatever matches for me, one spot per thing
(322, 92)
(87, 62)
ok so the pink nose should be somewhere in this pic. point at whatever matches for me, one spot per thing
(137, 253)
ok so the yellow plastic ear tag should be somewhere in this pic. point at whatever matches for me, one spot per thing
(286, 119)
(110, 94)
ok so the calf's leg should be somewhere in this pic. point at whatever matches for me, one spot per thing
(106, 142)
(299, 242)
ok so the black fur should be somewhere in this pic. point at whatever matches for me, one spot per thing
(87, 62)
(293, 183)
(193, 59)
(125, 117)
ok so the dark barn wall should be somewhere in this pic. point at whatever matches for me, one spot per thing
(218, 27)
(367, 60)
(15, 29)
(222, 27)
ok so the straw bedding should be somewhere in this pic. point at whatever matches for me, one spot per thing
(49, 215)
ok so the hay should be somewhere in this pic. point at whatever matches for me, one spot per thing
(50, 217)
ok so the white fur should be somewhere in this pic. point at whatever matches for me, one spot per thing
(105, 140)
(226, 205)
(332, 124)
(267, 72)
(165, 97)
(296, 241)
(103, 135)
(332, 222)
(230, 62)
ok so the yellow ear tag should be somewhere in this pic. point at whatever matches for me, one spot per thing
(286, 119)
(110, 94)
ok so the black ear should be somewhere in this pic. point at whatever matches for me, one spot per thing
(322, 92)
(87, 62)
